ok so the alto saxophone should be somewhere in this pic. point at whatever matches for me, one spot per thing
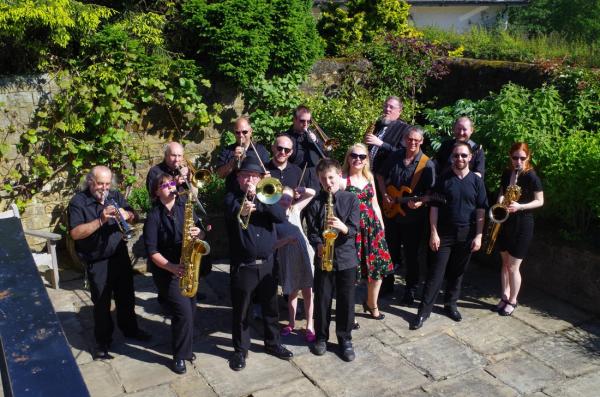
(192, 251)
(329, 235)
(498, 213)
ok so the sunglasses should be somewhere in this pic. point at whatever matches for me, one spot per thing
(285, 150)
(167, 185)
(519, 158)
(245, 132)
(358, 156)
(461, 155)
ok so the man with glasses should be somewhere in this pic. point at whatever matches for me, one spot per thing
(407, 169)
(308, 148)
(100, 246)
(463, 129)
(388, 134)
(173, 164)
(232, 155)
(456, 232)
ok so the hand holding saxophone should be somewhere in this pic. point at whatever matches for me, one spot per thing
(336, 223)
(514, 207)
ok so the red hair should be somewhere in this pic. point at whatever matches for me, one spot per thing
(517, 146)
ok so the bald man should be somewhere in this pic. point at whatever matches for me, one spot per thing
(231, 155)
(100, 246)
(173, 164)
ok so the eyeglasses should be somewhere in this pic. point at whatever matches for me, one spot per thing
(358, 156)
(167, 185)
(413, 140)
(519, 158)
(461, 155)
(285, 150)
(245, 132)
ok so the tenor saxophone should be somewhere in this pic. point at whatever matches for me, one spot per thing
(192, 251)
(329, 235)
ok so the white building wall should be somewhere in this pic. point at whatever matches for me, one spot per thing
(457, 18)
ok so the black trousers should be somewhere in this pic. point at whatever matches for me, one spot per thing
(450, 260)
(246, 281)
(182, 309)
(343, 283)
(108, 278)
(392, 230)
(411, 236)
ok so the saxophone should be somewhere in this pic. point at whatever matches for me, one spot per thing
(329, 234)
(498, 213)
(191, 253)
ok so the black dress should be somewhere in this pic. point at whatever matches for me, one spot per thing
(517, 231)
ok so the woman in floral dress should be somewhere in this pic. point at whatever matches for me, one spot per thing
(375, 261)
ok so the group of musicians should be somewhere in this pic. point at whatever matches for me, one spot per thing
(438, 202)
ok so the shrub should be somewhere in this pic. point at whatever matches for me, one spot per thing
(361, 21)
(139, 199)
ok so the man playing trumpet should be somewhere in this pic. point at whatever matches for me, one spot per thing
(252, 237)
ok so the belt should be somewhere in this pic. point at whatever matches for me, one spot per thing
(256, 262)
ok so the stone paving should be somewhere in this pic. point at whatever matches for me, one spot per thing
(547, 348)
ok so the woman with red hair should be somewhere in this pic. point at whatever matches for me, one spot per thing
(517, 231)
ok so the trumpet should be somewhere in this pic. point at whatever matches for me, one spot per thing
(329, 143)
(268, 191)
(124, 227)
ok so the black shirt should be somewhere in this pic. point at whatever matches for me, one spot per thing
(104, 242)
(258, 240)
(463, 197)
(163, 231)
(346, 208)
(227, 154)
(393, 135)
(305, 151)
(443, 157)
(156, 170)
(290, 175)
(395, 173)
(529, 183)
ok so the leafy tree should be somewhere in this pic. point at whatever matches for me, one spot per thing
(577, 19)
(34, 32)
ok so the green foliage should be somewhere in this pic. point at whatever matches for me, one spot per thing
(139, 199)
(575, 19)
(270, 104)
(33, 32)
(361, 21)
(96, 118)
(562, 132)
(512, 45)
(245, 40)
(402, 65)
(212, 194)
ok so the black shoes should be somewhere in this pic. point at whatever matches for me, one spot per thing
(453, 313)
(320, 347)
(418, 322)
(192, 359)
(366, 308)
(178, 366)
(279, 351)
(237, 362)
(140, 336)
(347, 351)
(101, 352)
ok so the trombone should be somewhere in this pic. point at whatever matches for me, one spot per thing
(328, 143)
(198, 177)
(268, 191)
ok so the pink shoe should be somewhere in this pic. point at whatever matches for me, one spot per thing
(310, 336)
(285, 331)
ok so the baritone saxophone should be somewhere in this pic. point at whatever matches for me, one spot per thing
(192, 251)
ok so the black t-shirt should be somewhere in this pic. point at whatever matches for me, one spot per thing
(227, 154)
(258, 240)
(395, 173)
(163, 231)
(529, 183)
(104, 242)
(463, 197)
(346, 208)
(443, 158)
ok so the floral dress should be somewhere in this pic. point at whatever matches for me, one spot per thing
(373, 253)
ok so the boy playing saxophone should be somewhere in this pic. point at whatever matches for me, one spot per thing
(323, 220)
